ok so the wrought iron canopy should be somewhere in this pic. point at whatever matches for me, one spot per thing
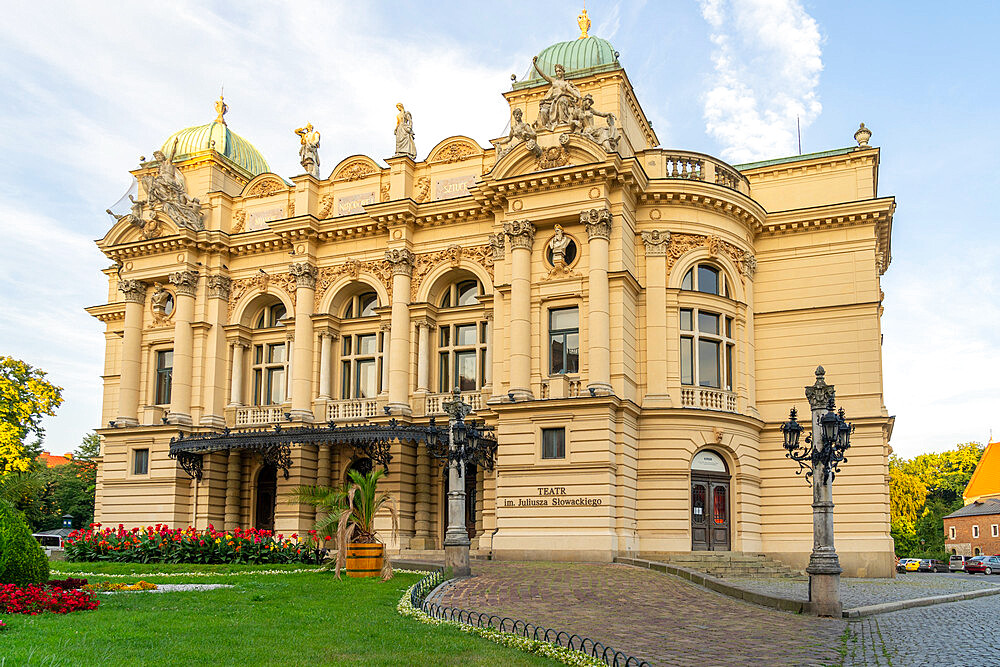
(274, 444)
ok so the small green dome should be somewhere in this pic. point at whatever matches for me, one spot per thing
(580, 57)
(216, 135)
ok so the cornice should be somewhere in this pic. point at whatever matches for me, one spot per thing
(108, 312)
(443, 211)
(616, 171)
(868, 156)
(706, 196)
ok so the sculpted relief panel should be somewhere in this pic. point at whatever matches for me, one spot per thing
(455, 255)
(259, 283)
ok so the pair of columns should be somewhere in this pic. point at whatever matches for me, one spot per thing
(521, 235)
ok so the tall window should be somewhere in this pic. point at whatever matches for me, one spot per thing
(553, 443)
(269, 373)
(564, 340)
(140, 461)
(164, 372)
(975, 531)
(705, 278)
(361, 349)
(707, 349)
(462, 356)
(951, 532)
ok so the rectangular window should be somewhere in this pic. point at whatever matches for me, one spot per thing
(140, 461)
(553, 443)
(465, 370)
(995, 530)
(270, 377)
(366, 379)
(708, 363)
(687, 360)
(444, 374)
(951, 532)
(686, 319)
(975, 531)
(564, 340)
(164, 374)
(729, 367)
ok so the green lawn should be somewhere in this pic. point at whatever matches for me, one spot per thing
(279, 619)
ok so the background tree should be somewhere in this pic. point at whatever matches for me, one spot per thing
(25, 397)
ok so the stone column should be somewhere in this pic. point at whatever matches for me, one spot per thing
(656, 243)
(128, 385)
(824, 565)
(325, 363)
(598, 222)
(234, 467)
(496, 341)
(323, 472)
(423, 538)
(521, 234)
(185, 285)
(386, 330)
(488, 370)
(236, 388)
(401, 261)
(424, 328)
(213, 395)
(302, 355)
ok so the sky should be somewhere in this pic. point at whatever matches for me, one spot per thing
(86, 88)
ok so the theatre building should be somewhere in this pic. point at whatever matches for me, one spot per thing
(634, 321)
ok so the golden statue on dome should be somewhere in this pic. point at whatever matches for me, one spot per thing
(584, 22)
(220, 110)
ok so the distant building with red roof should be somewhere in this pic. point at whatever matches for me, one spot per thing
(985, 481)
(52, 461)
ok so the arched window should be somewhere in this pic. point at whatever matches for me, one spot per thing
(270, 316)
(706, 278)
(464, 293)
(269, 363)
(362, 305)
(361, 348)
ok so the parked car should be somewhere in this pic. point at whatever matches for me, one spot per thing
(984, 564)
(931, 565)
(957, 563)
(913, 565)
(901, 564)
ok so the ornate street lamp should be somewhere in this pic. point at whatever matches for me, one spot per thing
(821, 457)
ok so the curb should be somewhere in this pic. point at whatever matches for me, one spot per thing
(885, 607)
(419, 565)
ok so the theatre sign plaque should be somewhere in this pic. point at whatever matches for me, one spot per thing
(553, 496)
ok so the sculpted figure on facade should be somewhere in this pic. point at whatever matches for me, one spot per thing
(583, 123)
(404, 133)
(166, 192)
(558, 244)
(556, 107)
(158, 303)
(656, 242)
(309, 149)
(519, 132)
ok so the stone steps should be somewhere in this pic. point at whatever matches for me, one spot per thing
(729, 564)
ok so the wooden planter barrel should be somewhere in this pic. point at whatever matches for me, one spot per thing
(364, 560)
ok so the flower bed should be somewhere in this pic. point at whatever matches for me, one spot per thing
(160, 544)
(36, 599)
(102, 586)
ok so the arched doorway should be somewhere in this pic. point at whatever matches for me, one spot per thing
(710, 503)
(267, 489)
(363, 465)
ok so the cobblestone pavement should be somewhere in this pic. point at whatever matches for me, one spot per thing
(657, 617)
(957, 634)
(863, 592)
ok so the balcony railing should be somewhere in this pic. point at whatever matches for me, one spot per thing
(435, 402)
(257, 415)
(700, 167)
(352, 409)
(708, 399)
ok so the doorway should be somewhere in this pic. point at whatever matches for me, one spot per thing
(710, 503)
(267, 488)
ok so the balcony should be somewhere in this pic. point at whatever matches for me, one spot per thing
(259, 415)
(708, 399)
(352, 409)
(701, 167)
(434, 404)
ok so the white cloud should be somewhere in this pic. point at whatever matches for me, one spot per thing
(767, 60)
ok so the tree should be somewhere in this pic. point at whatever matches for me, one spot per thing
(25, 397)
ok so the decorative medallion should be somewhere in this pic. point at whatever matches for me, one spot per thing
(654, 214)
(517, 205)
(552, 157)
(266, 188)
(355, 171)
(594, 193)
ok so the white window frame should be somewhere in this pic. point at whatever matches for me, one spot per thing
(260, 386)
(995, 530)
(350, 363)
(975, 531)
(727, 347)
(447, 354)
(951, 532)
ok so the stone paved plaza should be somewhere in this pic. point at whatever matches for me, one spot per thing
(864, 592)
(669, 621)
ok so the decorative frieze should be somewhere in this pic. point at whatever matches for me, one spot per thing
(353, 269)
(656, 243)
(521, 233)
(305, 275)
(219, 286)
(454, 255)
(134, 290)
(598, 222)
(748, 264)
(497, 246)
(260, 282)
(682, 243)
(184, 282)
(400, 261)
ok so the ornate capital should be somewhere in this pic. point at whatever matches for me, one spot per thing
(748, 264)
(497, 246)
(134, 290)
(304, 274)
(385, 327)
(521, 233)
(820, 393)
(218, 286)
(598, 222)
(424, 322)
(184, 282)
(656, 243)
(401, 261)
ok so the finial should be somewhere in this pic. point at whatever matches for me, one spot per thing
(820, 373)
(584, 22)
(862, 136)
(220, 109)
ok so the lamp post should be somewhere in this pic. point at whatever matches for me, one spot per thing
(456, 538)
(821, 457)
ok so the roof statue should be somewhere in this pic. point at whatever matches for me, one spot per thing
(404, 133)
(309, 150)
(554, 109)
(220, 110)
(519, 131)
(584, 22)
(166, 195)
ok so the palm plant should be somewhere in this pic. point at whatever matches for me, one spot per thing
(330, 501)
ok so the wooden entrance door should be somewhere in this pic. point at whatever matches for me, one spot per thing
(710, 513)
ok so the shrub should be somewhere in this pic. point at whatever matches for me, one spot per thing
(36, 599)
(22, 560)
(160, 544)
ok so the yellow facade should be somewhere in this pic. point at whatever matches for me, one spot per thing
(799, 242)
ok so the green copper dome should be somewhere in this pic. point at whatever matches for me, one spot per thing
(580, 57)
(237, 151)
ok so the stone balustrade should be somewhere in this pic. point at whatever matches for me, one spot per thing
(258, 415)
(435, 402)
(701, 167)
(352, 409)
(708, 399)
